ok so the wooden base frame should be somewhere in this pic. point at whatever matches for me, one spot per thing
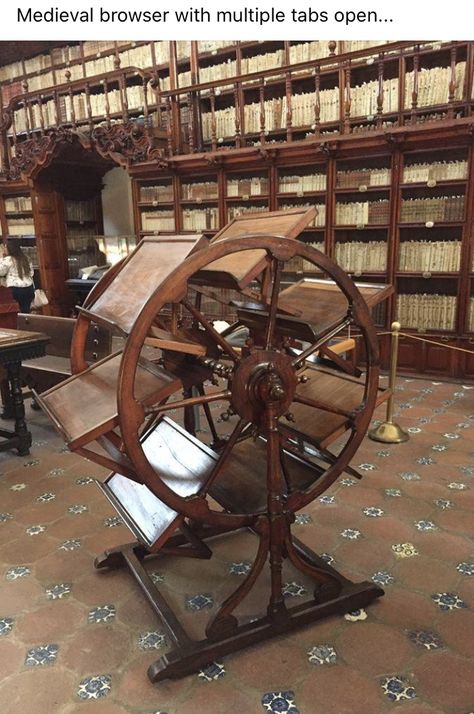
(334, 594)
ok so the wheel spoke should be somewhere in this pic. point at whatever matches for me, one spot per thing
(319, 404)
(326, 335)
(225, 453)
(223, 344)
(190, 402)
(277, 268)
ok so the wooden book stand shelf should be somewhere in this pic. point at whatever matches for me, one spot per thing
(175, 492)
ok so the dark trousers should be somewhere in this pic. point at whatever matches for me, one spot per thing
(24, 297)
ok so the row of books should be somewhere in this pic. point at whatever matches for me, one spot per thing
(80, 210)
(436, 171)
(15, 204)
(430, 256)
(441, 208)
(235, 210)
(201, 219)
(362, 256)
(159, 193)
(318, 221)
(433, 85)
(302, 184)
(298, 264)
(199, 191)
(158, 221)
(471, 315)
(254, 186)
(364, 98)
(426, 312)
(21, 227)
(354, 178)
(363, 212)
(134, 95)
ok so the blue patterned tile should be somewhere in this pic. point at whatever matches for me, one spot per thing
(448, 601)
(213, 671)
(199, 602)
(463, 425)
(350, 533)
(393, 492)
(292, 589)
(101, 613)
(280, 702)
(303, 519)
(443, 503)
(410, 476)
(57, 592)
(356, 615)
(425, 638)
(439, 447)
(84, 480)
(46, 497)
(113, 522)
(384, 454)
(95, 687)
(327, 499)
(404, 550)
(348, 481)
(152, 641)
(451, 435)
(6, 625)
(414, 430)
(58, 471)
(367, 467)
(19, 571)
(322, 654)
(397, 688)
(77, 509)
(467, 470)
(381, 577)
(41, 655)
(240, 568)
(4, 517)
(71, 544)
(426, 526)
(329, 559)
(30, 463)
(157, 577)
(425, 461)
(465, 569)
(35, 530)
(372, 512)
(457, 486)
(18, 487)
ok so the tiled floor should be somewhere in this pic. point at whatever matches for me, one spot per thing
(76, 641)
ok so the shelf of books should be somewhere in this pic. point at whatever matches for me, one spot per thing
(199, 201)
(154, 206)
(16, 214)
(83, 222)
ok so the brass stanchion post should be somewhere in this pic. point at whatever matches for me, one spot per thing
(389, 432)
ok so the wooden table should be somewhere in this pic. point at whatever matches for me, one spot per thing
(15, 346)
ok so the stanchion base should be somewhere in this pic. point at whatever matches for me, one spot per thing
(388, 433)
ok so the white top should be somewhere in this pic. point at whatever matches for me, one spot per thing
(8, 269)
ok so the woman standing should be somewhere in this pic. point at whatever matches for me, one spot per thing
(18, 273)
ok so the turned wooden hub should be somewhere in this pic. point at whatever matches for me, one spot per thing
(265, 376)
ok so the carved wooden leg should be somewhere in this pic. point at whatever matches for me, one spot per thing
(21, 430)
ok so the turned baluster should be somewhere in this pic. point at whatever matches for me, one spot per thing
(452, 84)
(289, 110)
(71, 100)
(146, 112)
(106, 102)
(26, 109)
(380, 95)
(123, 97)
(57, 109)
(117, 60)
(169, 126)
(238, 135)
(89, 107)
(347, 99)
(213, 120)
(155, 85)
(317, 100)
(191, 131)
(332, 48)
(414, 94)
(262, 110)
(41, 114)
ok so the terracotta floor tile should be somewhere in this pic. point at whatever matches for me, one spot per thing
(50, 621)
(445, 680)
(338, 689)
(373, 648)
(47, 690)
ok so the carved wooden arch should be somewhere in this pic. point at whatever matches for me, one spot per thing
(124, 143)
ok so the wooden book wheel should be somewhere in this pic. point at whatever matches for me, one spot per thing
(177, 493)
